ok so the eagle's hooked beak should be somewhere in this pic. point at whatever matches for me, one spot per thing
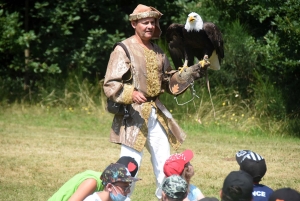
(191, 19)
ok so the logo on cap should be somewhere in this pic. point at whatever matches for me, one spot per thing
(175, 163)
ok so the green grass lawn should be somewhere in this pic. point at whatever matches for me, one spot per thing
(42, 147)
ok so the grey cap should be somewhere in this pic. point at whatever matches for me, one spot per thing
(175, 187)
(209, 199)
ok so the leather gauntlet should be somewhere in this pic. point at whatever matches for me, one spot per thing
(181, 80)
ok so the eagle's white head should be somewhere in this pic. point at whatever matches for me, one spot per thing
(193, 22)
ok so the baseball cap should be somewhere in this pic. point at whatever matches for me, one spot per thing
(209, 199)
(252, 163)
(175, 163)
(130, 164)
(175, 187)
(116, 172)
(285, 194)
(238, 180)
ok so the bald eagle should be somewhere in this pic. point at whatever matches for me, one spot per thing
(196, 38)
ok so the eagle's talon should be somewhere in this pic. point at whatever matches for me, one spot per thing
(183, 68)
(204, 62)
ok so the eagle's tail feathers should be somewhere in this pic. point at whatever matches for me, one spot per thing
(214, 61)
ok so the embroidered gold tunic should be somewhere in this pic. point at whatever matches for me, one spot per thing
(148, 69)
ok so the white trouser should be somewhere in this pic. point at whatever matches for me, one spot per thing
(159, 148)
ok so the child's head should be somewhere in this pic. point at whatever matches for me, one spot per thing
(285, 194)
(130, 163)
(252, 163)
(116, 172)
(237, 186)
(174, 188)
(177, 163)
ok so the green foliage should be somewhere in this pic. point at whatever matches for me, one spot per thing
(62, 37)
(75, 36)
(68, 44)
(204, 8)
(269, 23)
(70, 93)
(261, 62)
(268, 98)
(11, 41)
(228, 110)
(240, 59)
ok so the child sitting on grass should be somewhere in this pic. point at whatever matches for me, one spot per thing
(255, 165)
(179, 164)
(86, 183)
(116, 181)
(237, 186)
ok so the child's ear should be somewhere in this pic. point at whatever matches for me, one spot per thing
(163, 196)
(109, 187)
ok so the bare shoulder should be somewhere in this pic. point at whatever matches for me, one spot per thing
(86, 188)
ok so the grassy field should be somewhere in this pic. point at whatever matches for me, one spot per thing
(42, 147)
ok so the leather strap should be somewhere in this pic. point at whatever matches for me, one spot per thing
(124, 47)
(208, 87)
(125, 107)
(163, 109)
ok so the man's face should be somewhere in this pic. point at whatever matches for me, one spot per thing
(144, 28)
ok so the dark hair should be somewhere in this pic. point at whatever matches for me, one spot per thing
(256, 179)
(187, 174)
(257, 169)
(234, 192)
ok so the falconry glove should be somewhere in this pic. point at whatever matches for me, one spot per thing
(180, 81)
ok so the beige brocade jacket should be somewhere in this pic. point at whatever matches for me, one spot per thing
(148, 77)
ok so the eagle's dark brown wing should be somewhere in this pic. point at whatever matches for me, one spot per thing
(215, 36)
(175, 42)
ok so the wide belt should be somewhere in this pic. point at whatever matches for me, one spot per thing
(151, 99)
